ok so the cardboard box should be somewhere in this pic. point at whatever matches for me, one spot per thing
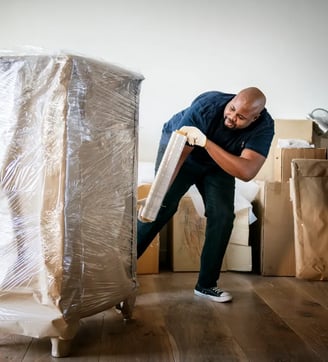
(275, 218)
(188, 234)
(148, 263)
(188, 230)
(309, 191)
(239, 257)
(285, 128)
(284, 157)
(272, 235)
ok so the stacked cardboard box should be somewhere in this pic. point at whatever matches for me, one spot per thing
(274, 229)
(148, 263)
(284, 129)
(284, 157)
(275, 233)
(188, 233)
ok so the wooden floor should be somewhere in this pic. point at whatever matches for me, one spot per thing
(270, 319)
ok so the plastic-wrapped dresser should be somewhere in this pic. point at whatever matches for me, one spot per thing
(68, 167)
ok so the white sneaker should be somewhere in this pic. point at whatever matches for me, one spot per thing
(216, 294)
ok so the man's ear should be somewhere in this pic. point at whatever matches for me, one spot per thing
(256, 117)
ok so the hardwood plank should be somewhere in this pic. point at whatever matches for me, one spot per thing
(13, 347)
(85, 345)
(306, 317)
(170, 325)
(198, 332)
(143, 338)
(39, 351)
(318, 290)
(260, 331)
(270, 319)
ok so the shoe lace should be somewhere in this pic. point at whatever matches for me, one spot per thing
(217, 290)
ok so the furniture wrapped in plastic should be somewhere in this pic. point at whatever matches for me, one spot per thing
(68, 169)
(309, 194)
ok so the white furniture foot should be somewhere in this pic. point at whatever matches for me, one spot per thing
(60, 347)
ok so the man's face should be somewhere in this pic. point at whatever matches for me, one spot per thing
(239, 114)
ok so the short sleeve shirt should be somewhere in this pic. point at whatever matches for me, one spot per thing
(206, 113)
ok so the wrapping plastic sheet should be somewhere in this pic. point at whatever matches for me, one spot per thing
(163, 177)
(68, 129)
(309, 193)
(245, 192)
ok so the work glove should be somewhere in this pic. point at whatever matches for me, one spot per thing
(195, 137)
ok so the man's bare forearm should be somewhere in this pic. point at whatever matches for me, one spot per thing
(244, 167)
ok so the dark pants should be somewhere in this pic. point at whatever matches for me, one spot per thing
(217, 190)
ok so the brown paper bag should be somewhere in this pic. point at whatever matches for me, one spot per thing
(309, 191)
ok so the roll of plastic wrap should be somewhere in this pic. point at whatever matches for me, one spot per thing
(163, 176)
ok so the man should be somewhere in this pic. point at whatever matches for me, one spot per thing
(228, 136)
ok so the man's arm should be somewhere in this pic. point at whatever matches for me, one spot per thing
(245, 167)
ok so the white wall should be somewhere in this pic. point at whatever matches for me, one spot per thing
(184, 47)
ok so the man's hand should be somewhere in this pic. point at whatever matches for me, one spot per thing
(195, 137)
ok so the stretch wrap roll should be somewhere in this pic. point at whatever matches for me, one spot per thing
(163, 176)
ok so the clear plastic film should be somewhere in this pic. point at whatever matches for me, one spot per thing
(163, 176)
(68, 174)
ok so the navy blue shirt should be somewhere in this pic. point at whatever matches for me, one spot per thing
(206, 113)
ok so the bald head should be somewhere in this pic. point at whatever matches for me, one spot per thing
(245, 108)
(253, 98)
